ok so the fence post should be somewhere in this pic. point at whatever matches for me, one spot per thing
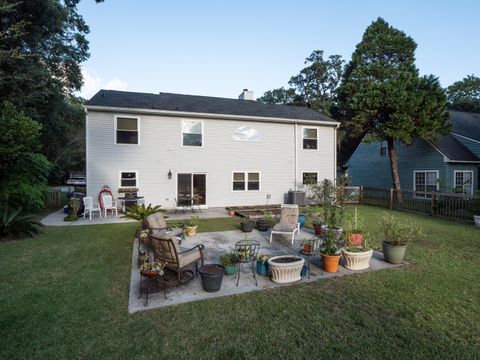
(391, 198)
(432, 207)
(360, 196)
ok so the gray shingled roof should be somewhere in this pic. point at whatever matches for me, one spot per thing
(466, 124)
(454, 150)
(202, 104)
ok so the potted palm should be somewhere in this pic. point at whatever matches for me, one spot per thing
(140, 212)
(330, 252)
(357, 255)
(229, 261)
(396, 236)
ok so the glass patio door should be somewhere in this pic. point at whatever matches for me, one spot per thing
(191, 189)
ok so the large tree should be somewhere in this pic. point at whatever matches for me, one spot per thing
(42, 43)
(464, 95)
(383, 95)
(314, 86)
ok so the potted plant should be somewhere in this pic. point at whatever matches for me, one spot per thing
(231, 211)
(262, 265)
(286, 268)
(263, 224)
(191, 226)
(229, 262)
(141, 212)
(334, 215)
(356, 232)
(357, 256)
(247, 225)
(74, 206)
(316, 222)
(330, 252)
(212, 276)
(308, 245)
(396, 236)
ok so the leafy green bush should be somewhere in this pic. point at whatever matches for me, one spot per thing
(397, 233)
(14, 223)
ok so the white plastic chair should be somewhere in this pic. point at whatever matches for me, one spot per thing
(109, 204)
(90, 207)
(288, 224)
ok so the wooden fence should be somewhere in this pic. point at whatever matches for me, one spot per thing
(446, 205)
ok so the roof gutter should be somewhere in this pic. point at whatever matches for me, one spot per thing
(210, 116)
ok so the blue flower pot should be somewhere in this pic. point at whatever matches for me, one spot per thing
(304, 271)
(262, 268)
(301, 220)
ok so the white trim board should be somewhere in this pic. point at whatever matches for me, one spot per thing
(115, 129)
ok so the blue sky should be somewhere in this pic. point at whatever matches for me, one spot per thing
(217, 48)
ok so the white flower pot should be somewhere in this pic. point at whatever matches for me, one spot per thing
(283, 271)
(476, 218)
(357, 260)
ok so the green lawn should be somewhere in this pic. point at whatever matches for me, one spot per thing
(65, 295)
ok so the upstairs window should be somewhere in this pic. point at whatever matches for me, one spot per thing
(310, 178)
(310, 138)
(127, 130)
(128, 179)
(246, 181)
(463, 182)
(192, 133)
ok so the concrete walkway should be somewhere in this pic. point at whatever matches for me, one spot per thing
(217, 243)
(56, 218)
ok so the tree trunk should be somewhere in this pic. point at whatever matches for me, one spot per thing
(392, 153)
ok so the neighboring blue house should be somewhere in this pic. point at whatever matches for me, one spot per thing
(453, 162)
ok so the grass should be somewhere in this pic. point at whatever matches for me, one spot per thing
(65, 295)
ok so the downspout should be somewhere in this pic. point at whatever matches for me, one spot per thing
(295, 154)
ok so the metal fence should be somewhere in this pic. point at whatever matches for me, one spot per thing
(446, 205)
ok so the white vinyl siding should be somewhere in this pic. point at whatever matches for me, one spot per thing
(273, 156)
(463, 181)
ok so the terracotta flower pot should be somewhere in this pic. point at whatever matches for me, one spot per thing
(318, 229)
(231, 212)
(308, 248)
(191, 230)
(356, 239)
(330, 263)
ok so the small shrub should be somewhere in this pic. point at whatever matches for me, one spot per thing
(399, 234)
(141, 212)
(13, 223)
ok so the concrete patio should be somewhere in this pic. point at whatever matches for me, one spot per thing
(56, 218)
(217, 243)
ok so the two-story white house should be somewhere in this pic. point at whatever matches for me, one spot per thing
(221, 152)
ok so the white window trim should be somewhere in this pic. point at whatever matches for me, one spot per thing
(246, 181)
(455, 179)
(115, 128)
(423, 171)
(318, 135)
(312, 172)
(181, 134)
(120, 179)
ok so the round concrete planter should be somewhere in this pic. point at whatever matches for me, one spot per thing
(393, 254)
(286, 269)
(357, 260)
